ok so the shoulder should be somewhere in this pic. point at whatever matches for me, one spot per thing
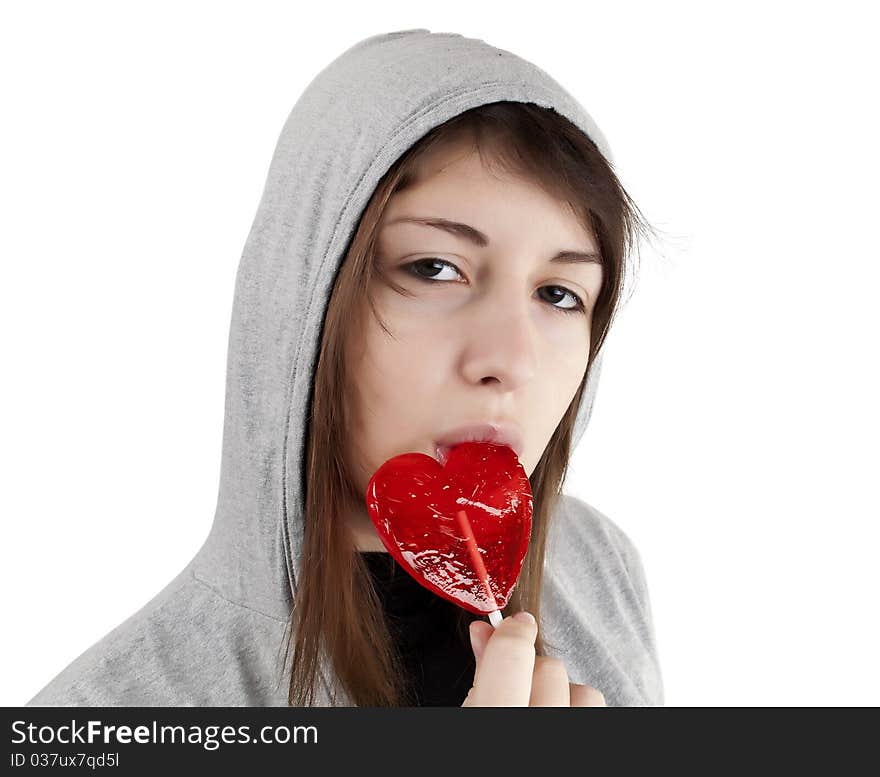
(120, 668)
(598, 605)
(183, 648)
(582, 532)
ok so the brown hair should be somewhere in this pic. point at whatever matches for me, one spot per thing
(336, 608)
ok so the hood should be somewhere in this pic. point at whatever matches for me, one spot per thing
(352, 122)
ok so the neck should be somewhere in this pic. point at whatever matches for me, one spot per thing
(363, 532)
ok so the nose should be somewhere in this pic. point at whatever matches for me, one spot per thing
(501, 341)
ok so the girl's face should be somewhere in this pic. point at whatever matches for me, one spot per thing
(494, 329)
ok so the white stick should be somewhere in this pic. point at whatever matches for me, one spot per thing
(495, 617)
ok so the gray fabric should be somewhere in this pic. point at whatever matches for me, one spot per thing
(213, 635)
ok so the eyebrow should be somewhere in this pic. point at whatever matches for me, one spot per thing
(480, 239)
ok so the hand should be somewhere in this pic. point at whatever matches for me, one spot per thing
(509, 674)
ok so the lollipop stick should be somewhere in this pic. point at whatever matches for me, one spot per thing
(464, 524)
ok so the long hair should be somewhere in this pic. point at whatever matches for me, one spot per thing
(336, 609)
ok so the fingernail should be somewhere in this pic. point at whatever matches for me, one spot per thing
(475, 645)
(525, 617)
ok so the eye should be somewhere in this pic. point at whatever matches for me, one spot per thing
(414, 269)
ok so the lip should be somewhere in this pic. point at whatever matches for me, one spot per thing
(498, 432)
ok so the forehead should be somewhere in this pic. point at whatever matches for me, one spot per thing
(455, 182)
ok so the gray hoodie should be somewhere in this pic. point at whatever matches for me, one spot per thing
(213, 635)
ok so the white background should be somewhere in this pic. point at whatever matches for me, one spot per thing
(734, 436)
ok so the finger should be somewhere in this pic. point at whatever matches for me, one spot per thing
(550, 686)
(480, 633)
(586, 696)
(503, 677)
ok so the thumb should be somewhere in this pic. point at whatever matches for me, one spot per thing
(480, 632)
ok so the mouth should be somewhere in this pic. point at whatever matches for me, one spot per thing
(497, 433)
(441, 453)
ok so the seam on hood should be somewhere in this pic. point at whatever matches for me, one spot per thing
(237, 604)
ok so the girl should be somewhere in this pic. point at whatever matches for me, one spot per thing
(440, 245)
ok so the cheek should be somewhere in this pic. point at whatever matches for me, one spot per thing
(567, 335)
(565, 347)
(398, 389)
(562, 365)
(396, 366)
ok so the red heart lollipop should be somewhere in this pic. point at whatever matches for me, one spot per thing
(414, 503)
